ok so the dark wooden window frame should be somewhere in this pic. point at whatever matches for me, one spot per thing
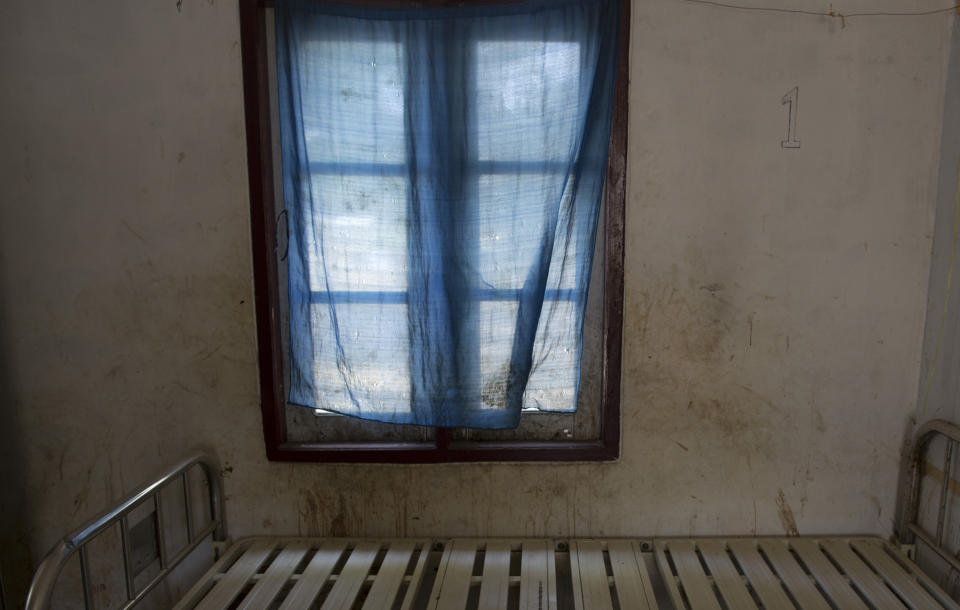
(265, 270)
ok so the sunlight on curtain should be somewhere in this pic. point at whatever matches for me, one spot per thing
(442, 172)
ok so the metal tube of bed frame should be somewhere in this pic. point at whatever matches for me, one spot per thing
(161, 535)
(127, 568)
(939, 550)
(84, 578)
(910, 530)
(187, 506)
(45, 578)
(942, 509)
(163, 573)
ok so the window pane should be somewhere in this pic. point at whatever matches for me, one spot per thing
(585, 423)
(509, 232)
(497, 325)
(523, 90)
(552, 383)
(556, 355)
(362, 232)
(354, 223)
(356, 83)
(373, 339)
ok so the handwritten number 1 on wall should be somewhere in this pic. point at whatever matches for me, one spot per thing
(790, 101)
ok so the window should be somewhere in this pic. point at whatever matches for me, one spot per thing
(294, 433)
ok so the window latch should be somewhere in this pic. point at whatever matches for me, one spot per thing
(286, 238)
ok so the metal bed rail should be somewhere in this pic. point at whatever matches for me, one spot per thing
(48, 573)
(910, 530)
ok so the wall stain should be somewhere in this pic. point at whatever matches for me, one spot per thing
(786, 515)
(127, 226)
(340, 505)
(684, 343)
(740, 416)
(80, 499)
(338, 523)
(696, 322)
(819, 423)
(308, 514)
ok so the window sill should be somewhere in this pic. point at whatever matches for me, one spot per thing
(459, 451)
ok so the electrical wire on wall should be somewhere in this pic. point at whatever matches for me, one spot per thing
(830, 12)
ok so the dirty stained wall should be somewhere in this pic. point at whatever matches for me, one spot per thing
(774, 298)
(939, 393)
(939, 386)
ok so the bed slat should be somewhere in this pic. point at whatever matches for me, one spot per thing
(415, 580)
(903, 583)
(864, 578)
(913, 572)
(237, 577)
(826, 575)
(275, 577)
(495, 586)
(315, 575)
(352, 577)
(202, 586)
(454, 577)
(634, 588)
(725, 575)
(537, 573)
(668, 576)
(591, 588)
(383, 593)
(765, 583)
(792, 574)
(692, 578)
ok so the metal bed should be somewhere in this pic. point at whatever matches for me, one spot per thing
(821, 572)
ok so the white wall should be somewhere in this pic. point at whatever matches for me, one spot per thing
(774, 298)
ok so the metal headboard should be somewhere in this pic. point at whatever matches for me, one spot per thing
(909, 529)
(47, 574)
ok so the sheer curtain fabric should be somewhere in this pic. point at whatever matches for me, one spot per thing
(442, 174)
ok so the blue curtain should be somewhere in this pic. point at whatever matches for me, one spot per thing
(442, 174)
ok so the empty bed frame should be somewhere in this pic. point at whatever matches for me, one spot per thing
(818, 572)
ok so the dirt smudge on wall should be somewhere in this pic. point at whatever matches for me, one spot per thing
(318, 517)
(786, 515)
(695, 323)
(821, 425)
